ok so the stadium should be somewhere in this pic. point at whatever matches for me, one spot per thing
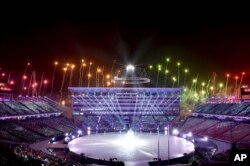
(131, 121)
(140, 89)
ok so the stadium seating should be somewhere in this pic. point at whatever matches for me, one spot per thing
(191, 122)
(219, 108)
(38, 128)
(240, 109)
(203, 126)
(204, 108)
(31, 130)
(21, 132)
(22, 126)
(217, 127)
(53, 123)
(236, 133)
(245, 140)
(245, 111)
(6, 111)
(118, 123)
(29, 106)
(19, 108)
(5, 135)
(235, 109)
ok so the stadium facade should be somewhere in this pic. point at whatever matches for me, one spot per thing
(126, 101)
(127, 104)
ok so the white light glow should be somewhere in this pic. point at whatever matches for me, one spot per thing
(130, 141)
(88, 132)
(166, 132)
(66, 139)
(79, 132)
(189, 134)
(130, 68)
(133, 148)
(175, 132)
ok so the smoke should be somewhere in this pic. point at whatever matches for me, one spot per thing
(131, 51)
(142, 48)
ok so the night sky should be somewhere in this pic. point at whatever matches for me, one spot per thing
(205, 42)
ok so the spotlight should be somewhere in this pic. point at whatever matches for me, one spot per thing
(88, 132)
(175, 132)
(130, 68)
(79, 132)
(189, 134)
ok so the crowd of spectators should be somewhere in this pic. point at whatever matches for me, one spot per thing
(30, 106)
(30, 130)
(223, 156)
(23, 155)
(119, 123)
(34, 129)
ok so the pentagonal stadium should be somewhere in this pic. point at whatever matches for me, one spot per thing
(127, 124)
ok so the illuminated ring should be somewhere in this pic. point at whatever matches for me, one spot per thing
(131, 80)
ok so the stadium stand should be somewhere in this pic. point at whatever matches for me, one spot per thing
(18, 123)
(241, 109)
(229, 122)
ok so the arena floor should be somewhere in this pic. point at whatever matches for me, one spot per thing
(133, 149)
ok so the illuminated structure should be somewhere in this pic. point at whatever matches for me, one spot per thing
(245, 93)
(5, 92)
(130, 76)
(127, 103)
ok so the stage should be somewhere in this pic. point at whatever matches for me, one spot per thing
(132, 148)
